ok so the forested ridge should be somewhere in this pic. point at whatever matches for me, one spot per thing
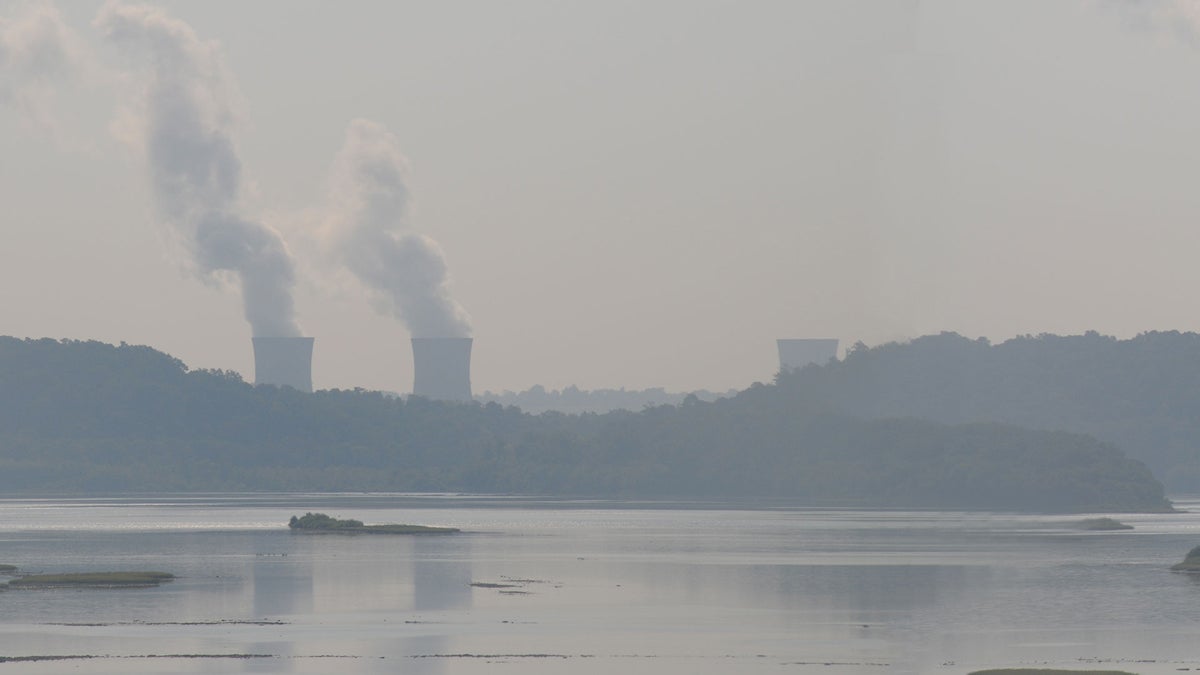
(573, 400)
(87, 416)
(1141, 394)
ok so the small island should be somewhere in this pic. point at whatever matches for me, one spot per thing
(319, 523)
(93, 580)
(1191, 562)
(1103, 524)
(7, 569)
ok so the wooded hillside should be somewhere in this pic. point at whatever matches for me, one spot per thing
(1142, 394)
(86, 416)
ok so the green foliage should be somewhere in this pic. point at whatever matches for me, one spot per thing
(320, 521)
(84, 416)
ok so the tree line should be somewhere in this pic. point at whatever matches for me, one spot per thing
(87, 416)
(1141, 394)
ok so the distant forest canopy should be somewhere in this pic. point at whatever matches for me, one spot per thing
(573, 400)
(1141, 394)
(86, 416)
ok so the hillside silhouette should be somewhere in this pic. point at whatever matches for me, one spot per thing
(1141, 394)
(87, 416)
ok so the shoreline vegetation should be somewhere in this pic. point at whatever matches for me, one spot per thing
(319, 523)
(1191, 562)
(92, 580)
(1103, 524)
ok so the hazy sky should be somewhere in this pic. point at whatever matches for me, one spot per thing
(624, 193)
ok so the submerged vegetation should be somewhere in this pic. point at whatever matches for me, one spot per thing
(1103, 524)
(92, 580)
(1191, 562)
(319, 522)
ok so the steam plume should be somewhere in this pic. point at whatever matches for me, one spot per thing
(194, 166)
(370, 233)
(36, 48)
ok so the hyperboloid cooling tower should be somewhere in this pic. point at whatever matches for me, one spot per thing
(797, 353)
(284, 362)
(442, 368)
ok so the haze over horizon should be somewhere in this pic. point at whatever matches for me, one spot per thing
(631, 194)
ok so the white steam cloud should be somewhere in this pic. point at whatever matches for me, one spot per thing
(36, 49)
(369, 231)
(186, 126)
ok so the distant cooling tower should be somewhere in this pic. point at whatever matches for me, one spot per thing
(442, 368)
(284, 362)
(802, 352)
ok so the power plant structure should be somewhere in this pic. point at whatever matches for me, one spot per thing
(284, 362)
(442, 368)
(800, 352)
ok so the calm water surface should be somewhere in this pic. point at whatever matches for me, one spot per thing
(593, 587)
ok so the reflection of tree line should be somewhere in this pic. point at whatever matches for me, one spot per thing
(89, 416)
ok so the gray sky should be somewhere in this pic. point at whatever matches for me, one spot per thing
(633, 193)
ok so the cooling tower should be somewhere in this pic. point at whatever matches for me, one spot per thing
(442, 368)
(284, 362)
(798, 353)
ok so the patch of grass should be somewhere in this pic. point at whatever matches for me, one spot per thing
(92, 580)
(321, 523)
(1103, 524)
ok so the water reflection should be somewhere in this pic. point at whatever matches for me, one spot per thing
(282, 588)
(441, 573)
(282, 581)
(640, 590)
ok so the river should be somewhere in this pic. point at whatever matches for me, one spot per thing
(561, 586)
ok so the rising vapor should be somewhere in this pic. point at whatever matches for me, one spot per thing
(194, 166)
(369, 231)
(36, 49)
